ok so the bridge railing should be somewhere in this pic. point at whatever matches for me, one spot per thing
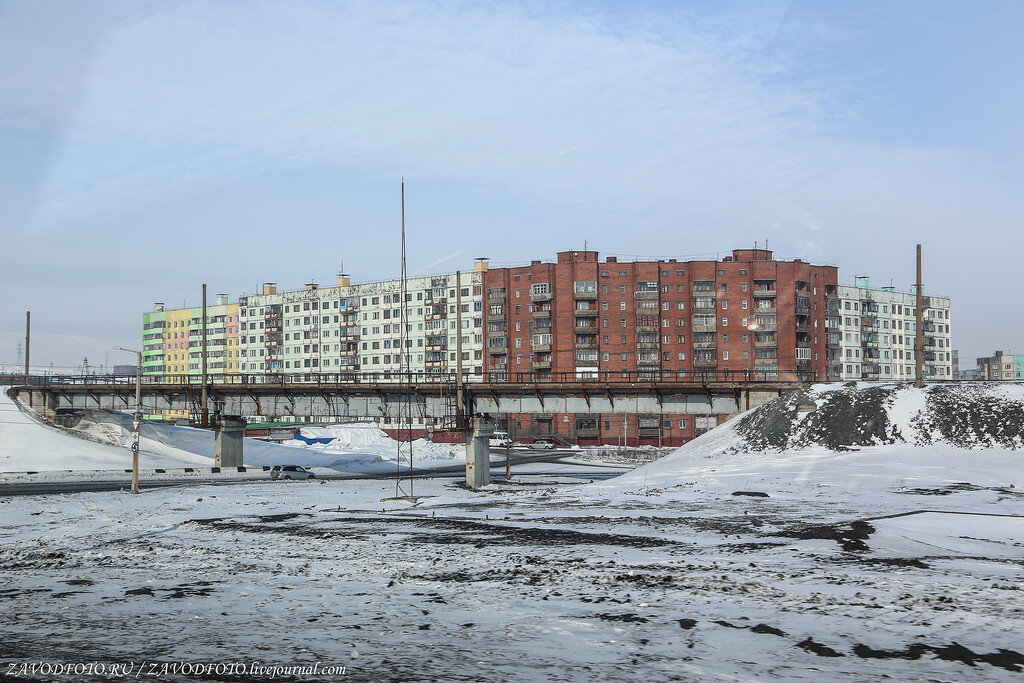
(428, 378)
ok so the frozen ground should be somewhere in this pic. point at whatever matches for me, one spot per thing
(660, 574)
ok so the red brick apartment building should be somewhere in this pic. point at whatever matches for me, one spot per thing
(746, 316)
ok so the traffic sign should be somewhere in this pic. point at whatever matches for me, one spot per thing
(135, 448)
(135, 425)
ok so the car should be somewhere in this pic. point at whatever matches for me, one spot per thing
(543, 444)
(290, 472)
(499, 440)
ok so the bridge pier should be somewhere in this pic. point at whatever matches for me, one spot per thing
(227, 438)
(478, 453)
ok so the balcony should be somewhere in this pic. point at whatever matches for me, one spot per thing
(585, 312)
(704, 328)
(546, 296)
(585, 296)
(648, 362)
(649, 431)
(705, 345)
(586, 363)
(585, 329)
(497, 350)
(542, 313)
(542, 364)
(764, 293)
(495, 296)
(583, 345)
(766, 344)
(587, 432)
(648, 345)
(541, 348)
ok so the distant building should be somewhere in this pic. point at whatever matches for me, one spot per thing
(1000, 366)
(970, 374)
(956, 364)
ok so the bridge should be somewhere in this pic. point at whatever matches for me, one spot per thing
(323, 397)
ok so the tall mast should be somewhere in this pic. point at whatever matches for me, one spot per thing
(404, 371)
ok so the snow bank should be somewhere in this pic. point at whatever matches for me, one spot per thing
(101, 439)
(858, 438)
(363, 447)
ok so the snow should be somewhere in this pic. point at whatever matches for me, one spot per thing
(661, 573)
(102, 439)
(365, 448)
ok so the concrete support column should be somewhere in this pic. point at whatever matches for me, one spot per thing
(228, 442)
(478, 453)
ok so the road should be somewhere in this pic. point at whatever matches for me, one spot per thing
(517, 457)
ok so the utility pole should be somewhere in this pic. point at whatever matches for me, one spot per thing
(458, 345)
(138, 416)
(28, 336)
(204, 414)
(919, 337)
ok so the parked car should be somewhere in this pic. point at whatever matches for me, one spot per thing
(543, 444)
(499, 440)
(290, 472)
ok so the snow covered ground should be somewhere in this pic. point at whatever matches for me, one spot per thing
(101, 441)
(659, 574)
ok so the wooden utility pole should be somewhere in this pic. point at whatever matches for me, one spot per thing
(204, 416)
(919, 322)
(28, 337)
(458, 346)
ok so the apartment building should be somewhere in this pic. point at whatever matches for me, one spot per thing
(871, 334)
(1000, 366)
(746, 316)
(357, 328)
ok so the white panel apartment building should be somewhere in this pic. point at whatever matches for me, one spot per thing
(876, 335)
(357, 328)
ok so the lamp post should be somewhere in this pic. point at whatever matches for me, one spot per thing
(138, 417)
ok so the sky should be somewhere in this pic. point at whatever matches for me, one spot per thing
(149, 147)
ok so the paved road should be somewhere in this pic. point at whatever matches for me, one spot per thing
(517, 457)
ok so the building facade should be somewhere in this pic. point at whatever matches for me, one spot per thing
(872, 335)
(580, 318)
(357, 328)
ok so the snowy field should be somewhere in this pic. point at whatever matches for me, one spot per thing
(101, 441)
(663, 573)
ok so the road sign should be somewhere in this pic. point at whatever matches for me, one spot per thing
(135, 425)
(135, 448)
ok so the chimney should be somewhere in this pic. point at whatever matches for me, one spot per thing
(269, 288)
(344, 280)
(482, 264)
(222, 299)
(158, 306)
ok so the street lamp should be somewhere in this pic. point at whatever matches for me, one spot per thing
(138, 417)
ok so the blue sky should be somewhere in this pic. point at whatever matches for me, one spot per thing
(270, 138)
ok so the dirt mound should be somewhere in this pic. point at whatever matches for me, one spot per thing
(841, 417)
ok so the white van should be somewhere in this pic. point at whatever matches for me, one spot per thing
(499, 440)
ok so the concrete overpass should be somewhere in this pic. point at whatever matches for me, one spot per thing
(326, 397)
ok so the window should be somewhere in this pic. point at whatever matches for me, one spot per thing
(725, 322)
